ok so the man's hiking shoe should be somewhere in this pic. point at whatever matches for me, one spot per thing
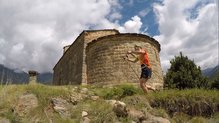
(156, 90)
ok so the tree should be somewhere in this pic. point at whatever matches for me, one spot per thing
(183, 73)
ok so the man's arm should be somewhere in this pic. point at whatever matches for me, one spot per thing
(133, 55)
(136, 52)
(132, 60)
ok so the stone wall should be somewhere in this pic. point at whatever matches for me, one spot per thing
(69, 68)
(105, 63)
(89, 37)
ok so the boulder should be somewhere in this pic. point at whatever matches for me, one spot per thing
(155, 119)
(26, 102)
(120, 109)
(61, 106)
(137, 116)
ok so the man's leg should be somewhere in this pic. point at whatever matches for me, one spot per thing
(149, 72)
(150, 88)
(143, 85)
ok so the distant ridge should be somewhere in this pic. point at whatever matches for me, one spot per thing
(45, 78)
(8, 75)
(211, 73)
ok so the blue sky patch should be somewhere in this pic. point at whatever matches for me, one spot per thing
(144, 9)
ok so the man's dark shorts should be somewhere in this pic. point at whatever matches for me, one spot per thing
(145, 72)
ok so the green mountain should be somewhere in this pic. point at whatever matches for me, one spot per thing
(211, 73)
(10, 76)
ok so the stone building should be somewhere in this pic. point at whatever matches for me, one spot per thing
(96, 57)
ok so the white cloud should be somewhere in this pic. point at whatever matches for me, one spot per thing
(132, 26)
(32, 33)
(195, 37)
(115, 7)
(115, 16)
(144, 12)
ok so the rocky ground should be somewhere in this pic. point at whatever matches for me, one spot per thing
(81, 104)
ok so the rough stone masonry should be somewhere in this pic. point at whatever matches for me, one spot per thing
(96, 57)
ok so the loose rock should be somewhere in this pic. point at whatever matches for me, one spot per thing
(84, 114)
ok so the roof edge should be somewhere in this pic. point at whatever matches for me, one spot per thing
(70, 45)
(129, 34)
(101, 30)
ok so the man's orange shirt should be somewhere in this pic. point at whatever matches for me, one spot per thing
(143, 58)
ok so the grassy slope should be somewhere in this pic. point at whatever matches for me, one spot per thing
(166, 103)
(192, 104)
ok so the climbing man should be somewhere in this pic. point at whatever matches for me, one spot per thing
(142, 57)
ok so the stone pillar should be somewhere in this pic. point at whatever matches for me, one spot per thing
(32, 77)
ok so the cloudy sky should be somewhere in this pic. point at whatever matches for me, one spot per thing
(33, 32)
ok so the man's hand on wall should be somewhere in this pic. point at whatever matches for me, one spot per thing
(129, 52)
(125, 57)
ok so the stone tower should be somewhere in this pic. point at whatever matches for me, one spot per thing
(32, 77)
(96, 56)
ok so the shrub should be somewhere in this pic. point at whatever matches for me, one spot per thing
(183, 73)
(215, 84)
